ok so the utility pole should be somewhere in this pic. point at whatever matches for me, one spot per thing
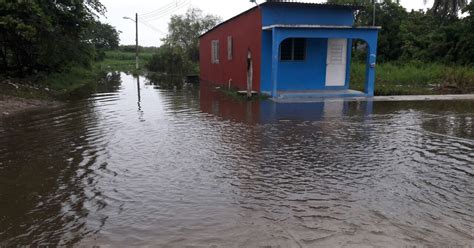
(136, 39)
(373, 22)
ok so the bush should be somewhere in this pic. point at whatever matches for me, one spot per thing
(169, 61)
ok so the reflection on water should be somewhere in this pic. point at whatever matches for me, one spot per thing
(142, 163)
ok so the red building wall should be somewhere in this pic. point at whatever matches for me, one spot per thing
(246, 32)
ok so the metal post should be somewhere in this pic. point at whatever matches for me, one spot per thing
(373, 22)
(136, 39)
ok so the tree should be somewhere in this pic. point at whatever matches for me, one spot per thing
(184, 31)
(46, 35)
(447, 8)
(465, 47)
(389, 15)
(103, 36)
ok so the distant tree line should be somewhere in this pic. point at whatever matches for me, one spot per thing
(51, 36)
(444, 33)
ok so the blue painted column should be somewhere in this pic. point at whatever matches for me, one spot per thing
(275, 54)
(371, 64)
(348, 63)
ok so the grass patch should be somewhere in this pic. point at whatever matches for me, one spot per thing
(75, 82)
(124, 61)
(72, 83)
(415, 78)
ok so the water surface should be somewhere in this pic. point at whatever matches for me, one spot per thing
(141, 163)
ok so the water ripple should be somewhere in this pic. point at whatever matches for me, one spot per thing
(186, 167)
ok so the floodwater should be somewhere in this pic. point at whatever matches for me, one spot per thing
(150, 164)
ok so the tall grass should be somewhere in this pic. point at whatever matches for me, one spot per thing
(124, 61)
(415, 78)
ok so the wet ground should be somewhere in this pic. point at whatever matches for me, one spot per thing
(10, 105)
(142, 163)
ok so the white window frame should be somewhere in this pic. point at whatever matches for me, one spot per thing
(230, 48)
(215, 52)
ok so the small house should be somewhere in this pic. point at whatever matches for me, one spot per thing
(288, 48)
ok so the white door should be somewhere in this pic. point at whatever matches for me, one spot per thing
(336, 62)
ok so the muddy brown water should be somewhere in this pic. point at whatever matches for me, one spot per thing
(144, 164)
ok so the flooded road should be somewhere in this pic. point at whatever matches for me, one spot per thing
(140, 164)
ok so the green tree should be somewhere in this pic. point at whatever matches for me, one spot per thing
(389, 15)
(103, 36)
(446, 8)
(184, 31)
(41, 35)
(465, 47)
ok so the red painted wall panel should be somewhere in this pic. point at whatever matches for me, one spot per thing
(246, 32)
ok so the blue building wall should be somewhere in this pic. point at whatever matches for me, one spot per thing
(266, 66)
(306, 14)
(309, 74)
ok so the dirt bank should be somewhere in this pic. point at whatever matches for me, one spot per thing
(10, 105)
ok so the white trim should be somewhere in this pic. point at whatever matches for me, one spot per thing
(319, 26)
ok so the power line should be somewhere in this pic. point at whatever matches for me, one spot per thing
(163, 11)
(168, 12)
(151, 26)
(166, 6)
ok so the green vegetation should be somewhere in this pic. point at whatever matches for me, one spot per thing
(415, 78)
(438, 35)
(52, 36)
(51, 48)
(53, 86)
(120, 60)
(420, 52)
(180, 52)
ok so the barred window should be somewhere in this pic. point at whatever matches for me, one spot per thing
(293, 49)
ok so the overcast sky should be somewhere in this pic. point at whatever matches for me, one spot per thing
(155, 24)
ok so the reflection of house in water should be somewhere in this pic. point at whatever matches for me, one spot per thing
(216, 103)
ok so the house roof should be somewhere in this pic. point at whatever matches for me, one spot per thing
(289, 3)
